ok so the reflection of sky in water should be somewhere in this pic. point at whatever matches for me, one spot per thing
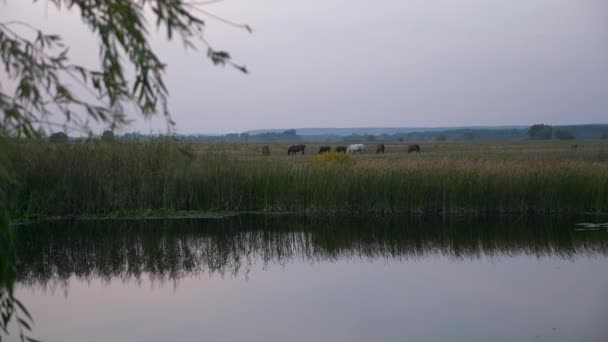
(295, 279)
(512, 299)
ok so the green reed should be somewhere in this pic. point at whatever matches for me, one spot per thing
(102, 178)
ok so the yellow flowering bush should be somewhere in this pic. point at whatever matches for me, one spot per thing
(333, 158)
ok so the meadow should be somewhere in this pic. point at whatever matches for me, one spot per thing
(446, 178)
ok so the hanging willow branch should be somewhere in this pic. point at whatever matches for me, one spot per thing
(43, 76)
(39, 77)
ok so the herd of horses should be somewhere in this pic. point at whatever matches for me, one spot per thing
(353, 148)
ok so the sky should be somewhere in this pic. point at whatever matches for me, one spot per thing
(395, 63)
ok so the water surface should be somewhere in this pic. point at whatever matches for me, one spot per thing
(278, 278)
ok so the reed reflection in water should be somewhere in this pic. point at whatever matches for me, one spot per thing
(173, 249)
(282, 278)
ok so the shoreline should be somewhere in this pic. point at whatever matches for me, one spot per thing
(213, 215)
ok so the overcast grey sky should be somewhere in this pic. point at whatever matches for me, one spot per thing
(339, 63)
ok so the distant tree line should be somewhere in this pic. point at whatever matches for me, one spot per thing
(534, 132)
(286, 135)
(546, 132)
(540, 132)
(564, 134)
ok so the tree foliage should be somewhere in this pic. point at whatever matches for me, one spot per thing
(468, 135)
(108, 136)
(540, 132)
(39, 64)
(564, 134)
(58, 137)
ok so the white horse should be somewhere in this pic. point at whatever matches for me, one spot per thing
(356, 148)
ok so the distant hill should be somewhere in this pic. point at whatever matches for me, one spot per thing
(478, 133)
(377, 130)
(474, 133)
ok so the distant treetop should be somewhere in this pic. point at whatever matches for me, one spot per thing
(58, 137)
(108, 136)
(540, 132)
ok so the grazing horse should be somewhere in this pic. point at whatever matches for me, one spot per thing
(293, 149)
(413, 148)
(341, 149)
(266, 151)
(356, 148)
(380, 149)
(324, 149)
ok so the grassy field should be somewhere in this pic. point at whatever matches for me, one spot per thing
(446, 178)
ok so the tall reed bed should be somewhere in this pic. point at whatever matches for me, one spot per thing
(98, 178)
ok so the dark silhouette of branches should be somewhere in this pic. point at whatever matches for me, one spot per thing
(39, 65)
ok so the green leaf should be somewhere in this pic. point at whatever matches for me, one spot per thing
(24, 324)
(23, 309)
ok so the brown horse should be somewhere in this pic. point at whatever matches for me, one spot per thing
(380, 149)
(266, 151)
(413, 148)
(293, 149)
(324, 149)
(341, 149)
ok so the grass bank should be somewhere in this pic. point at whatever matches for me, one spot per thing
(103, 178)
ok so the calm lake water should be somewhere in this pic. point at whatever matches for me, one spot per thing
(278, 278)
